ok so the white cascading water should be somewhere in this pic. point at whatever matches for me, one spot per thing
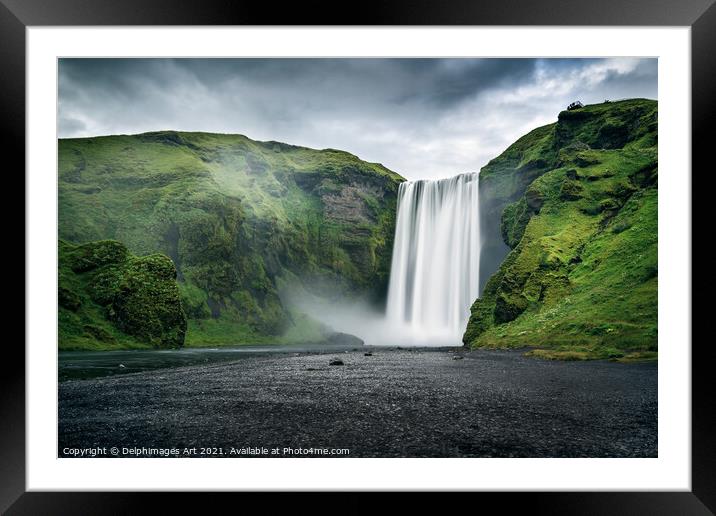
(436, 260)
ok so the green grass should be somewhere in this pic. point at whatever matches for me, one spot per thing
(234, 215)
(581, 280)
(638, 356)
(226, 332)
(576, 201)
(223, 332)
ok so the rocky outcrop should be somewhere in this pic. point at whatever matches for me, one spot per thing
(574, 206)
(108, 295)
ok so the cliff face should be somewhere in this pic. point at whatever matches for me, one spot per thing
(573, 206)
(238, 218)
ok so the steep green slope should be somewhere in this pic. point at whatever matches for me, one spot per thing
(110, 299)
(239, 218)
(578, 207)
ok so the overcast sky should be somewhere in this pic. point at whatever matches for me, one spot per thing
(423, 118)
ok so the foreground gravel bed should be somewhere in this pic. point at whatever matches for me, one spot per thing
(395, 403)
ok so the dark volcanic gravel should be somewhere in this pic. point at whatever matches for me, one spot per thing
(395, 403)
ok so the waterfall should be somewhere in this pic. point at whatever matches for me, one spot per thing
(434, 277)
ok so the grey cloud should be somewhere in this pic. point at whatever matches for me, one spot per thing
(420, 117)
(69, 125)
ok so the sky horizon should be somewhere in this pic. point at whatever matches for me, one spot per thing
(422, 118)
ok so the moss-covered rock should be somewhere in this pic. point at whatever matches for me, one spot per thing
(68, 299)
(577, 205)
(570, 190)
(118, 299)
(98, 333)
(147, 303)
(509, 306)
(97, 254)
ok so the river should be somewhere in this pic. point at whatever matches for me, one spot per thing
(82, 365)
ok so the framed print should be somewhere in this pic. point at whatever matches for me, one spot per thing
(442, 249)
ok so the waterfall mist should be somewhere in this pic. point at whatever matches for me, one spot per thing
(434, 277)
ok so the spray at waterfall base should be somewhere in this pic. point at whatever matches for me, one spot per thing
(434, 277)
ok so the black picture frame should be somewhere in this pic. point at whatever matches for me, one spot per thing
(16, 15)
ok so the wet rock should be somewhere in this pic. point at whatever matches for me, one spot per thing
(336, 362)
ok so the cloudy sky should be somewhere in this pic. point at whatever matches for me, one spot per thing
(423, 118)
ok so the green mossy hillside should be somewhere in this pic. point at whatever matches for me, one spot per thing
(578, 209)
(235, 216)
(110, 299)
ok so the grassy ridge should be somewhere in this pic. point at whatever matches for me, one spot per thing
(234, 215)
(579, 210)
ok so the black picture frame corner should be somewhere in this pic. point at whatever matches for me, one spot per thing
(700, 15)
